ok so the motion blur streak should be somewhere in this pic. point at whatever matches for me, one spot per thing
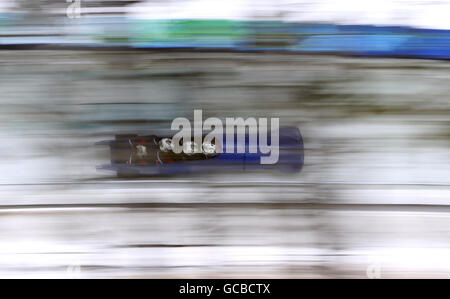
(372, 199)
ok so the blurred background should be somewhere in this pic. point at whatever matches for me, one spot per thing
(366, 82)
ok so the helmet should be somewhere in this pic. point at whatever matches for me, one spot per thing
(141, 151)
(209, 148)
(165, 145)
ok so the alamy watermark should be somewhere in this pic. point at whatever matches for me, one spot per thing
(73, 11)
(373, 270)
(258, 136)
(74, 270)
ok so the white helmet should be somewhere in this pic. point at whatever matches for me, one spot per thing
(209, 148)
(165, 145)
(141, 151)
